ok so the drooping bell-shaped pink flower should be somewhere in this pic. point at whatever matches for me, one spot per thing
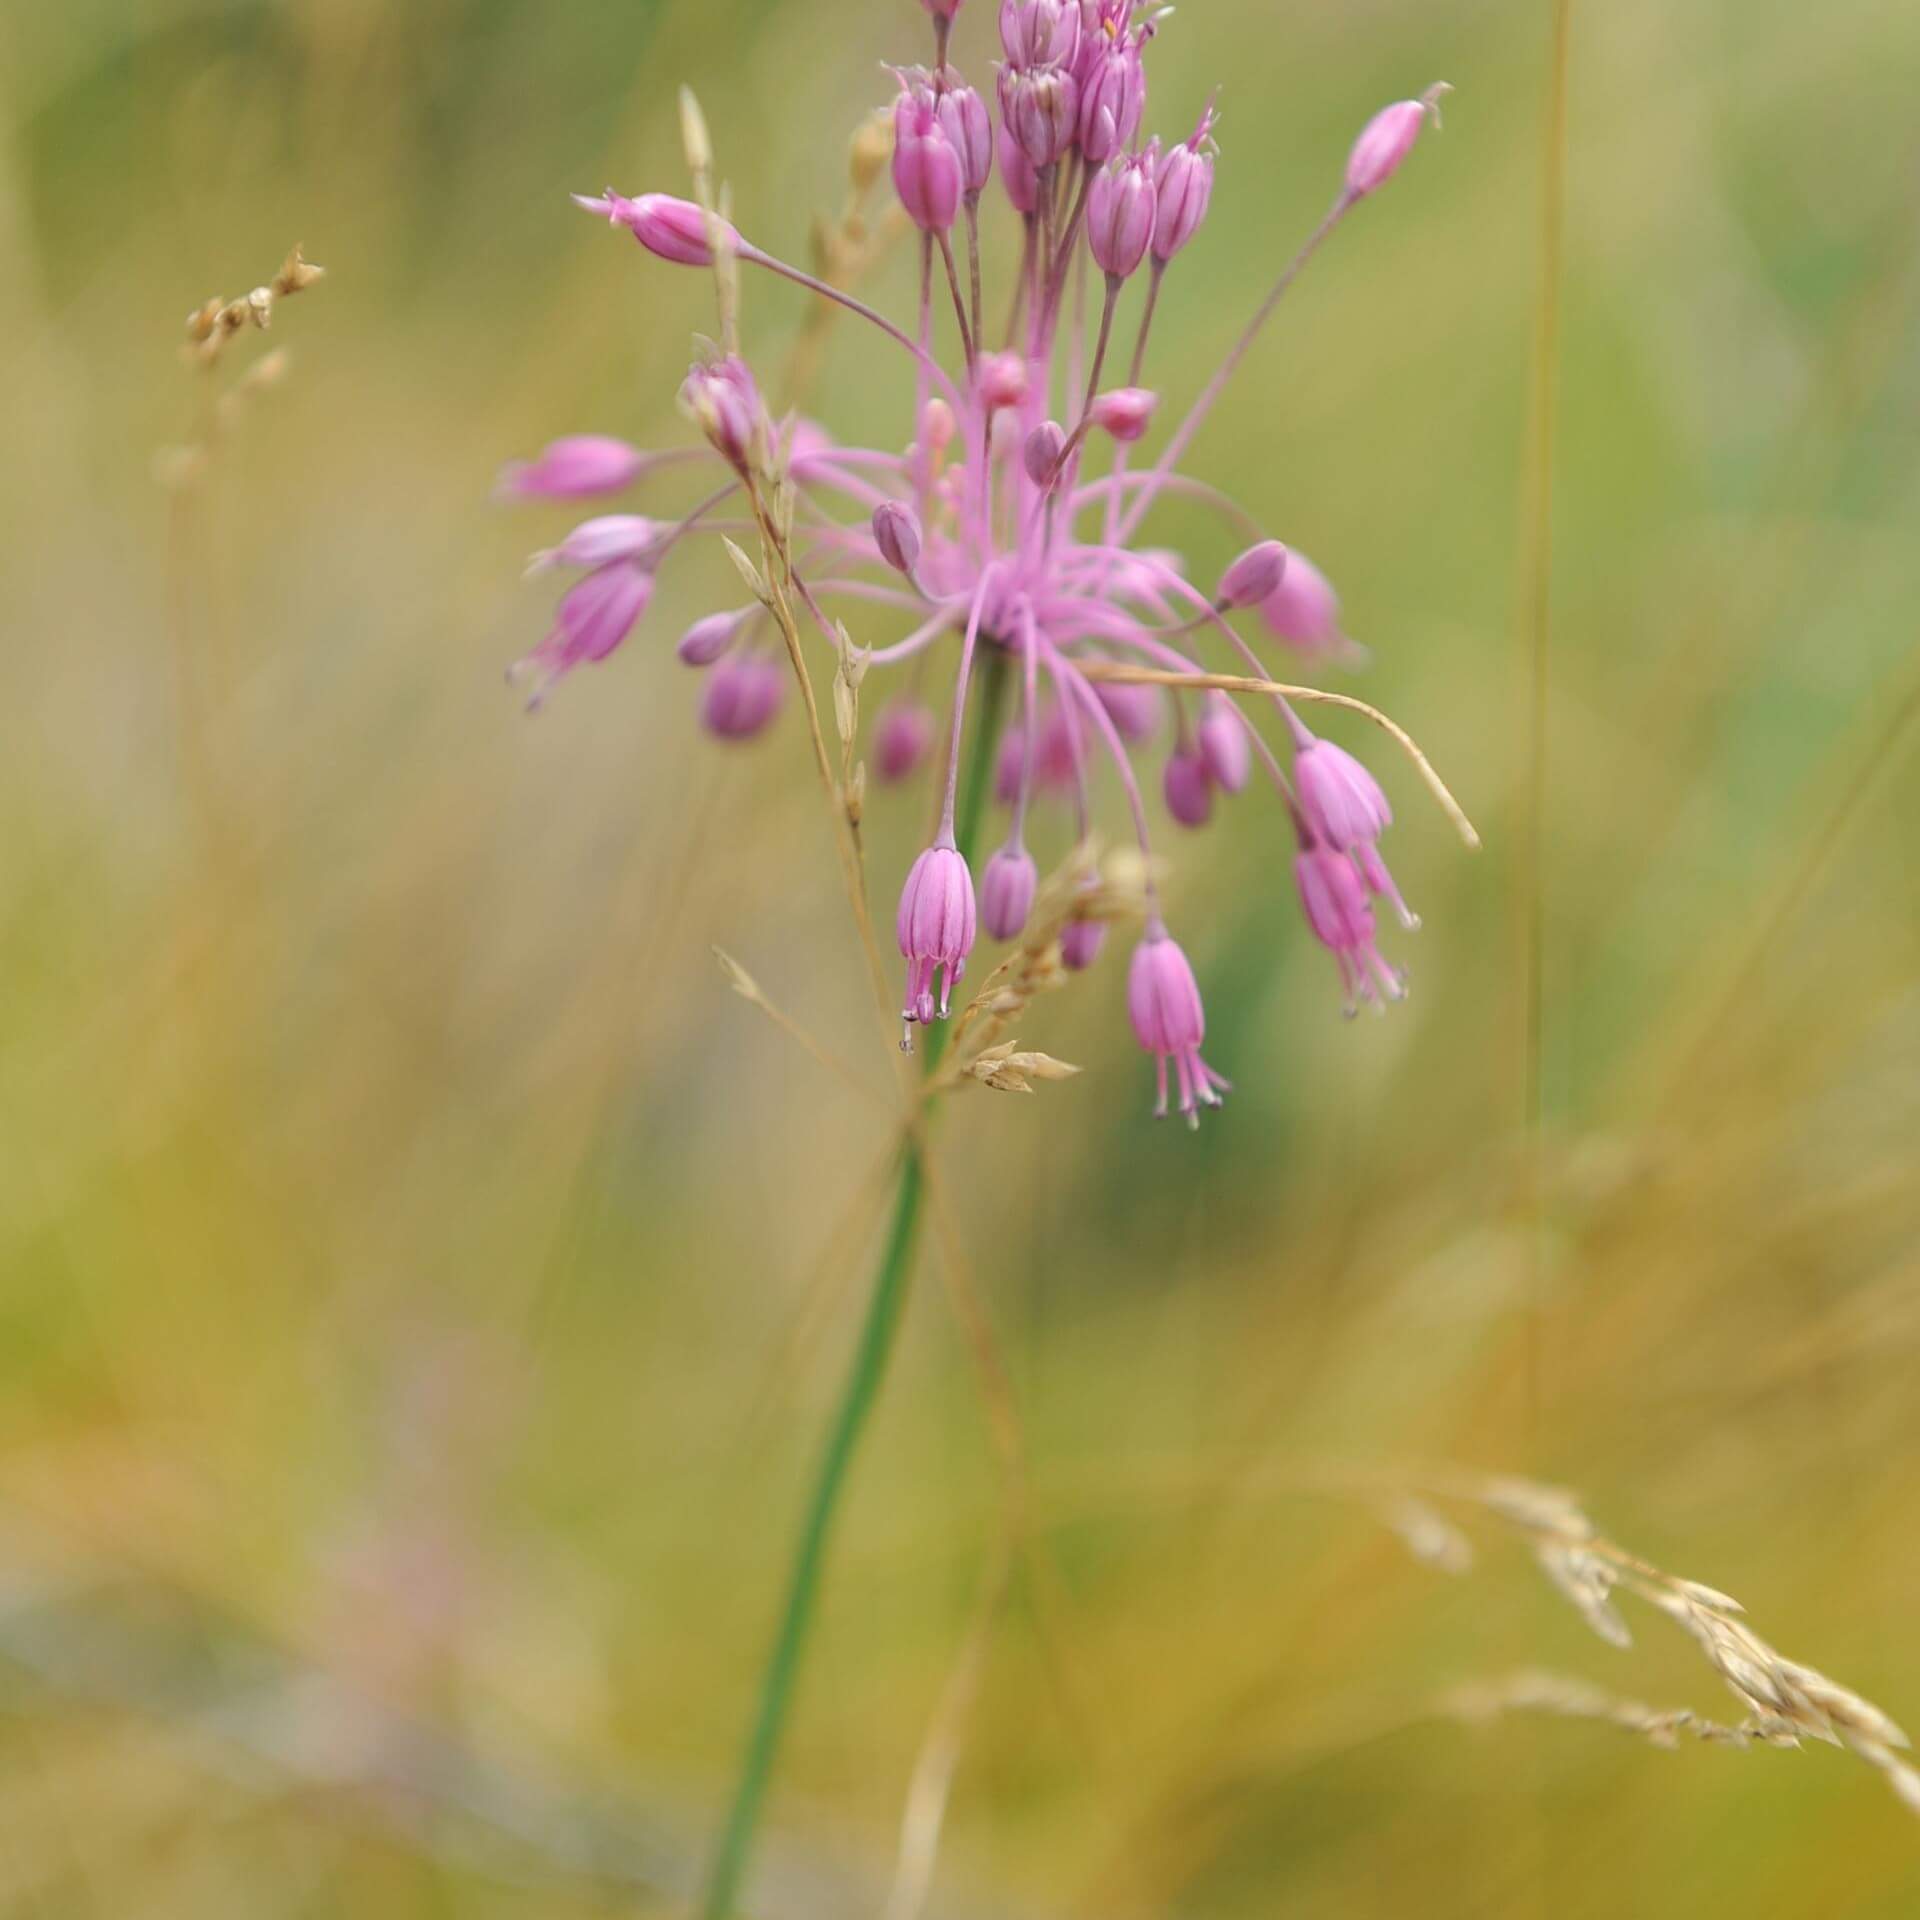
(935, 926)
(1120, 214)
(1387, 139)
(1335, 901)
(902, 738)
(1041, 106)
(968, 125)
(676, 230)
(1040, 33)
(926, 169)
(1080, 942)
(574, 468)
(742, 697)
(1341, 802)
(1163, 1001)
(1303, 610)
(1221, 736)
(1185, 186)
(1017, 173)
(593, 617)
(1188, 787)
(722, 400)
(596, 543)
(1007, 888)
(1113, 96)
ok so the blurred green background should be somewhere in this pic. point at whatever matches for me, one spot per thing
(425, 1283)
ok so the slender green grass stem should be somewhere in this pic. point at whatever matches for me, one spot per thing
(864, 1377)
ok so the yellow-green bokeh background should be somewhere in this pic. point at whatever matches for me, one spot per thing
(424, 1283)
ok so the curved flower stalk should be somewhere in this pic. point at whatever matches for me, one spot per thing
(990, 537)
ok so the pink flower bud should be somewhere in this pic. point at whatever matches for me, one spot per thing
(1134, 710)
(1185, 190)
(1187, 788)
(1254, 576)
(1113, 96)
(1125, 412)
(1387, 139)
(1041, 451)
(706, 640)
(896, 532)
(1009, 766)
(1222, 739)
(926, 169)
(936, 428)
(1120, 214)
(742, 697)
(968, 125)
(723, 402)
(942, 9)
(1041, 105)
(1040, 33)
(1340, 800)
(1006, 892)
(575, 468)
(676, 230)
(1303, 609)
(1016, 170)
(935, 925)
(594, 543)
(902, 739)
(1002, 380)
(1080, 942)
(1163, 1002)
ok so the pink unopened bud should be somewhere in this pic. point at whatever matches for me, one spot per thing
(1188, 788)
(1334, 898)
(1303, 609)
(576, 468)
(1040, 33)
(594, 543)
(1387, 139)
(902, 739)
(1125, 412)
(1120, 214)
(936, 428)
(1041, 105)
(1006, 892)
(935, 925)
(1080, 942)
(723, 402)
(706, 640)
(896, 532)
(926, 169)
(1185, 190)
(593, 617)
(942, 9)
(1340, 800)
(1113, 96)
(968, 125)
(1002, 380)
(1016, 171)
(742, 698)
(1041, 451)
(676, 230)
(1254, 576)
(1222, 739)
(1163, 1002)
(1134, 710)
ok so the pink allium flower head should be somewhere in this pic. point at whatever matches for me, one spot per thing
(1340, 800)
(1006, 892)
(1185, 190)
(926, 169)
(722, 400)
(1125, 412)
(1223, 744)
(1188, 787)
(935, 925)
(1254, 576)
(1016, 171)
(1163, 1001)
(575, 468)
(1040, 33)
(896, 532)
(1120, 214)
(1080, 942)
(1002, 380)
(674, 229)
(1113, 96)
(742, 697)
(706, 640)
(1134, 710)
(1387, 139)
(1303, 609)
(968, 125)
(1041, 451)
(594, 616)
(902, 739)
(1335, 900)
(593, 543)
(1041, 105)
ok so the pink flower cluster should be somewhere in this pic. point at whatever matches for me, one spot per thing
(992, 535)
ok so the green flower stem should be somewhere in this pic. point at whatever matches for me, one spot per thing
(864, 1376)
